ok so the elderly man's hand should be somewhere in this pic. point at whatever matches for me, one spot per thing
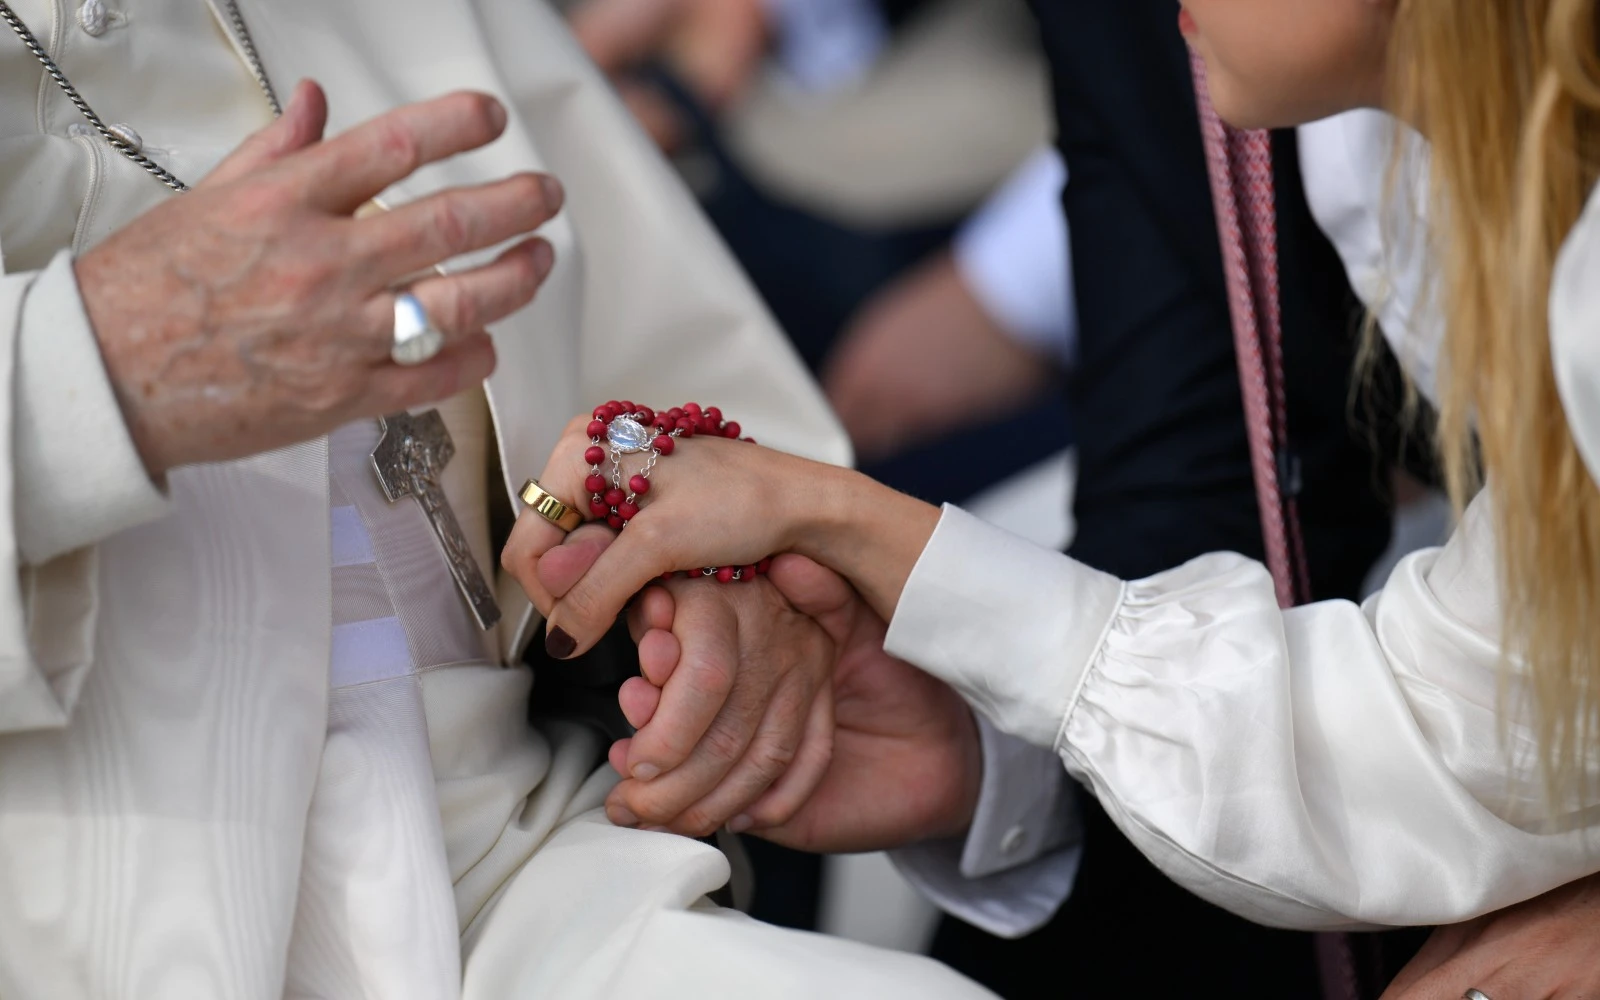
(256, 311)
(888, 755)
(905, 762)
(734, 708)
(1548, 947)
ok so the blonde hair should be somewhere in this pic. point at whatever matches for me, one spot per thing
(1508, 92)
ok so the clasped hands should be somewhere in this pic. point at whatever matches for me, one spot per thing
(768, 706)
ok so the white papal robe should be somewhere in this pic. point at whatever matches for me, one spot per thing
(185, 810)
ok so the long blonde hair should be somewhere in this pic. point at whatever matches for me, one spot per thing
(1508, 92)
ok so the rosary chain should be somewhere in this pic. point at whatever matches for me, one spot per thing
(156, 170)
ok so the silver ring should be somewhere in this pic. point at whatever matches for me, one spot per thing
(1474, 995)
(416, 340)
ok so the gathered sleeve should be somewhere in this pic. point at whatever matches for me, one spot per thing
(1332, 766)
(69, 477)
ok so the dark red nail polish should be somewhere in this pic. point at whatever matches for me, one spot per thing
(559, 644)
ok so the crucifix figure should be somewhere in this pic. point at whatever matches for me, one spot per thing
(411, 454)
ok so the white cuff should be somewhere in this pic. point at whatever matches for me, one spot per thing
(79, 478)
(1020, 857)
(1009, 625)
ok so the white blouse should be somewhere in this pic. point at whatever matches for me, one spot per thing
(1331, 766)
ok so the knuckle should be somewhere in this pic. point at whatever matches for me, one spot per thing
(514, 557)
(722, 743)
(582, 605)
(398, 146)
(461, 310)
(696, 822)
(710, 676)
(451, 227)
(771, 756)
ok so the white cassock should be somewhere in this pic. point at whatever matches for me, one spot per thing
(188, 807)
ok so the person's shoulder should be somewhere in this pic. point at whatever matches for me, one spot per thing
(1575, 332)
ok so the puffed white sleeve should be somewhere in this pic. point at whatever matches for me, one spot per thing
(1331, 766)
(72, 477)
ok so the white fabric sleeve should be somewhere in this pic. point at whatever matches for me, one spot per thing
(68, 477)
(1015, 256)
(1019, 859)
(1327, 767)
(78, 476)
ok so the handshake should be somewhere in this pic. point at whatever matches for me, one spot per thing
(767, 703)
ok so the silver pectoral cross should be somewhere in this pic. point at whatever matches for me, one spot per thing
(409, 459)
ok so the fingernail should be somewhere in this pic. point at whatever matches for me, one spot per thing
(620, 816)
(554, 194)
(497, 114)
(559, 644)
(644, 772)
(740, 824)
(544, 258)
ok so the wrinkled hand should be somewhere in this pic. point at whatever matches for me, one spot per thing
(905, 763)
(1547, 948)
(254, 311)
(734, 708)
(713, 45)
(924, 358)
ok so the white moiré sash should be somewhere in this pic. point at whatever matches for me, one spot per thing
(376, 911)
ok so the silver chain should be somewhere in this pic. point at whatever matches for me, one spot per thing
(121, 145)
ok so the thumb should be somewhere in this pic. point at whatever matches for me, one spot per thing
(565, 564)
(814, 590)
(301, 125)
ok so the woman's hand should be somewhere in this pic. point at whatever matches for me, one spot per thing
(717, 502)
(255, 311)
(712, 502)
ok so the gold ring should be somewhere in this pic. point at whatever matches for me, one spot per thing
(548, 507)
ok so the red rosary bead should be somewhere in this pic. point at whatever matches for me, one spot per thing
(616, 522)
(599, 508)
(595, 483)
(693, 408)
(597, 429)
(639, 485)
(713, 413)
(725, 574)
(614, 497)
(595, 455)
(686, 427)
(647, 415)
(747, 573)
(664, 444)
(764, 566)
(627, 511)
(731, 430)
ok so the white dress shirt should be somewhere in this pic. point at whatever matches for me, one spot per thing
(1326, 767)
